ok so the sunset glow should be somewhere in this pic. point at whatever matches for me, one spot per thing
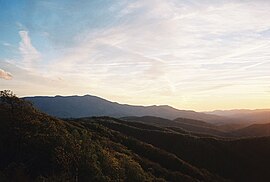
(199, 55)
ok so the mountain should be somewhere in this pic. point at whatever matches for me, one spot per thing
(254, 130)
(37, 147)
(245, 116)
(188, 125)
(85, 106)
(195, 122)
(234, 159)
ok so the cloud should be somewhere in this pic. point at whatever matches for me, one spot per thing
(29, 53)
(178, 48)
(5, 75)
(191, 47)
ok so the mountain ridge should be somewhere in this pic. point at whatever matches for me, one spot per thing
(39, 147)
(246, 116)
(88, 105)
(254, 130)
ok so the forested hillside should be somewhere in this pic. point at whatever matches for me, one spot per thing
(38, 147)
(190, 125)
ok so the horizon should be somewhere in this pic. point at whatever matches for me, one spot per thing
(192, 55)
(88, 94)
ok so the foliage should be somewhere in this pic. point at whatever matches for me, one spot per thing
(235, 159)
(38, 147)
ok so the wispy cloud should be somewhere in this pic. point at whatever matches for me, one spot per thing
(5, 75)
(185, 38)
(29, 53)
(157, 50)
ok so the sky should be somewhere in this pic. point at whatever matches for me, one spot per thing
(191, 54)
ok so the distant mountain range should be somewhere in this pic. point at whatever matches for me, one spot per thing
(39, 147)
(254, 130)
(201, 128)
(258, 116)
(187, 125)
(86, 106)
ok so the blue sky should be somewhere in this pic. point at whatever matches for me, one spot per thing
(196, 54)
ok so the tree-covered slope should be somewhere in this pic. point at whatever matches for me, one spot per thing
(235, 159)
(190, 125)
(254, 130)
(38, 147)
